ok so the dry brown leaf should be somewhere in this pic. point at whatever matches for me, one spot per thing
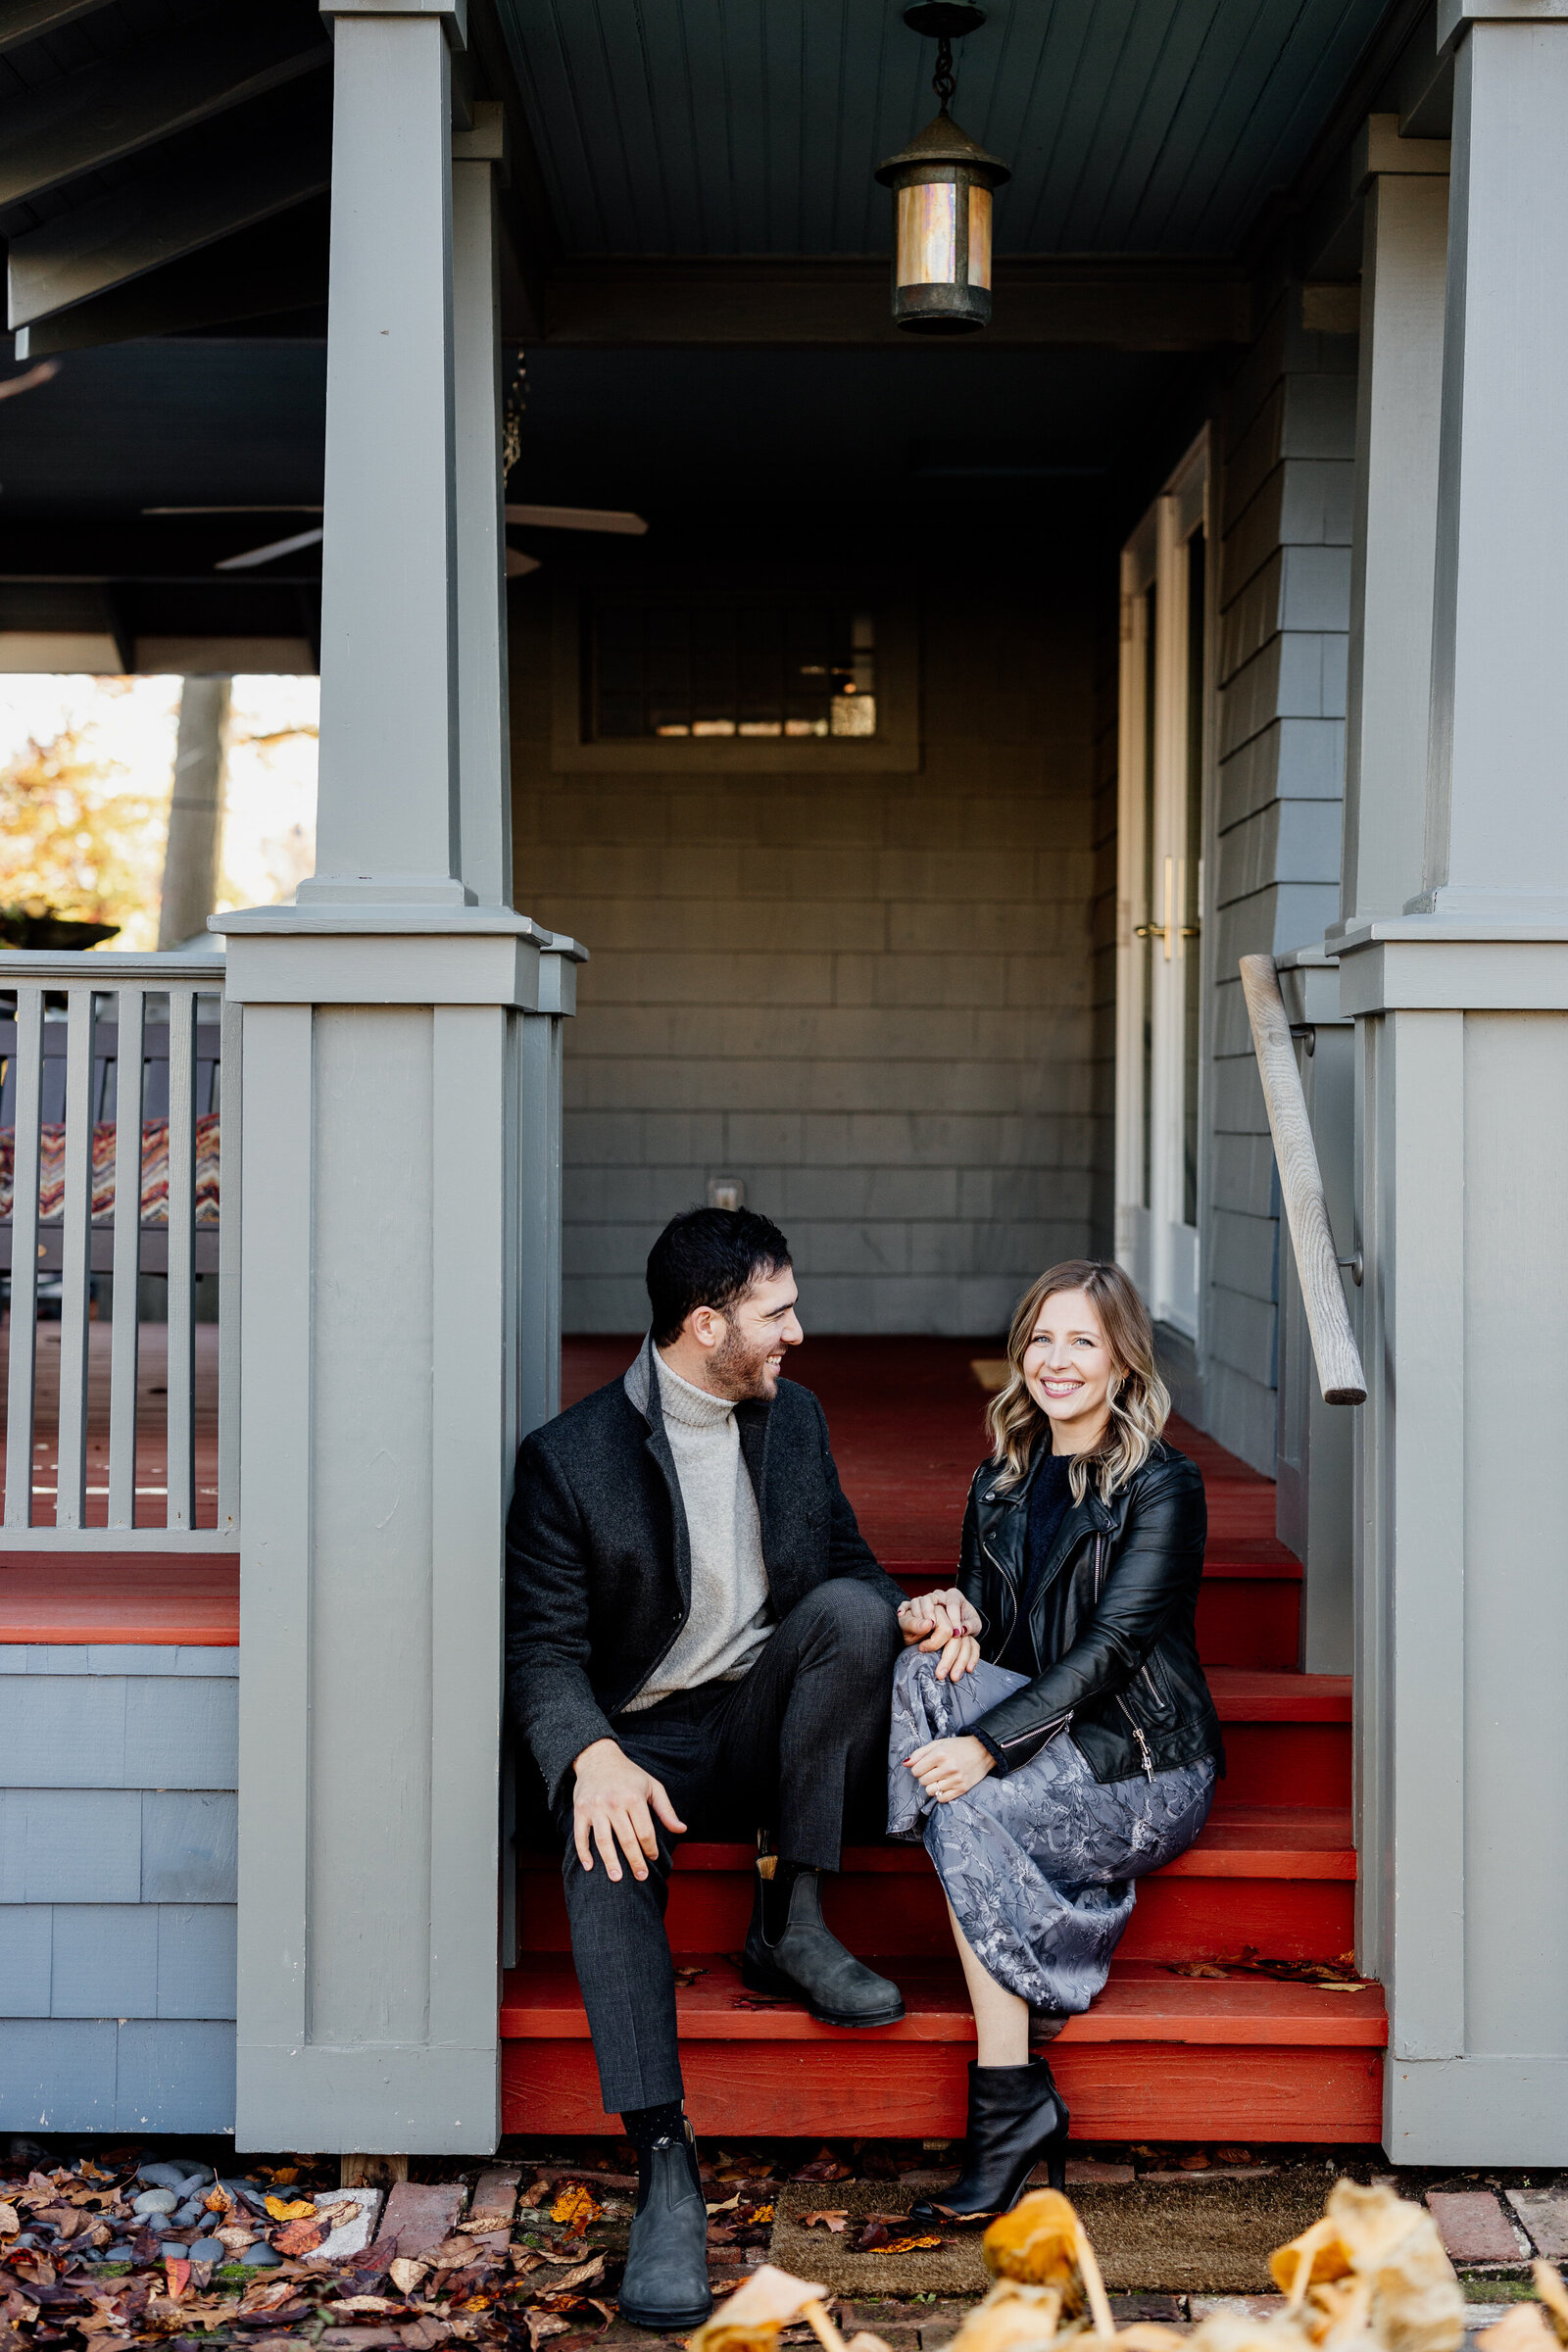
(290, 2209)
(586, 2274)
(363, 2303)
(1550, 2287)
(236, 2235)
(406, 2273)
(541, 2323)
(832, 2218)
(9, 2220)
(218, 2200)
(575, 2207)
(752, 2318)
(728, 2205)
(284, 2174)
(537, 2193)
(1196, 1968)
(299, 2237)
(909, 2246)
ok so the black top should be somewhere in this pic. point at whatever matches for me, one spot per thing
(1048, 1497)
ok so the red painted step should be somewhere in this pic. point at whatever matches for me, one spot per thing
(1158, 2054)
(1278, 1879)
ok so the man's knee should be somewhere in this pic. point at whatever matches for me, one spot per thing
(856, 1619)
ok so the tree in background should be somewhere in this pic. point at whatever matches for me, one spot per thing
(74, 840)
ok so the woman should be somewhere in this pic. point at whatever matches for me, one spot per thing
(1083, 1751)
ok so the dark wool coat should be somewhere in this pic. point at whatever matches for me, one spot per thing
(599, 1560)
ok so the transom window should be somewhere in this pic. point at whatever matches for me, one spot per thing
(668, 667)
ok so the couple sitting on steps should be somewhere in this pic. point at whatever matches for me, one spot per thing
(700, 1641)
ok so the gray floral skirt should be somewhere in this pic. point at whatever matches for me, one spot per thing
(1039, 1864)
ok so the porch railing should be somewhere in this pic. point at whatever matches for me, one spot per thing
(120, 1155)
(1317, 1263)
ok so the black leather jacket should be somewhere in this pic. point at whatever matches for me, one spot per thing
(1113, 1619)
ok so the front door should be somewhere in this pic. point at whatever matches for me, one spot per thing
(1162, 762)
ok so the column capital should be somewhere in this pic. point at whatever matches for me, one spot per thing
(1456, 17)
(486, 141)
(1380, 151)
(453, 13)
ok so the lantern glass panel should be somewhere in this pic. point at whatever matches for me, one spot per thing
(927, 235)
(979, 235)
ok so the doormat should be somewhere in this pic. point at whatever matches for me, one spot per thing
(1212, 2237)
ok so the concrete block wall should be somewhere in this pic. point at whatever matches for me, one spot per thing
(1288, 441)
(117, 1774)
(869, 996)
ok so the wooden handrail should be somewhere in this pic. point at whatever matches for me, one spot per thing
(1338, 1358)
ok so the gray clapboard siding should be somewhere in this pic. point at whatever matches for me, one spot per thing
(879, 999)
(1289, 439)
(144, 2075)
(117, 1772)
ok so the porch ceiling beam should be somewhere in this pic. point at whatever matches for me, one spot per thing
(95, 117)
(171, 213)
(1104, 302)
(263, 272)
(29, 20)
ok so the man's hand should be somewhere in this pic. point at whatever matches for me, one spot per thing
(950, 1768)
(611, 1800)
(944, 1621)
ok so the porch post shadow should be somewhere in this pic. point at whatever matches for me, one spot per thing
(1453, 961)
(394, 1132)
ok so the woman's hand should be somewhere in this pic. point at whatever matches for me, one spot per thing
(950, 1768)
(944, 1621)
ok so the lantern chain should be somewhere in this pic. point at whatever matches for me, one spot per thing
(944, 80)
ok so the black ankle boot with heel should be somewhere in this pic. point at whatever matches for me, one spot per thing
(1018, 2117)
(666, 2281)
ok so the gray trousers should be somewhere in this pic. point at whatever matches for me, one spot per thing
(797, 1746)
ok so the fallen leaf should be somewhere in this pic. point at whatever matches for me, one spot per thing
(834, 2220)
(299, 2237)
(586, 2274)
(574, 2207)
(824, 2165)
(728, 2205)
(909, 2246)
(336, 2217)
(236, 2235)
(406, 2273)
(689, 1975)
(1196, 1968)
(283, 2174)
(286, 2209)
(537, 2193)
(178, 2275)
(763, 2213)
(9, 2220)
(540, 2324)
(363, 2303)
(218, 2200)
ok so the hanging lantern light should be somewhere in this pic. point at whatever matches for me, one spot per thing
(942, 186)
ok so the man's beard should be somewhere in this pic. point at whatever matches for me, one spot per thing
(738, 1370)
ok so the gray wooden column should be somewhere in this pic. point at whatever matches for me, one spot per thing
(387, 819)
(1461, 1012)
(1393, 551)
(195, 813)
(484, 715)
(1496, 817)
(384, 1305)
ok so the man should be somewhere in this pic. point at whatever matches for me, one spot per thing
(699, 1637)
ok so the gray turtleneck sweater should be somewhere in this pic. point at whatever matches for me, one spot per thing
(731, 1614)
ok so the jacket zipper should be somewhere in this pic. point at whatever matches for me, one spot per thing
(1143, 1744)
(1012, 1596)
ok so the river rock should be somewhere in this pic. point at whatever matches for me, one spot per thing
(154, 2200)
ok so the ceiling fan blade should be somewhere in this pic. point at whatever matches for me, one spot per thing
(579, 519)
(273, 547)
(518, 563)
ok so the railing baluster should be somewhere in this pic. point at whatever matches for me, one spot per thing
(231, 1048)
(22, 1351)
(181, 1257)
(71, 1485)
(126, 1333)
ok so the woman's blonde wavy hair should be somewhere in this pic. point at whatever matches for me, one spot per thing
(1140, 1402)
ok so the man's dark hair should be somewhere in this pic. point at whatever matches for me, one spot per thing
(710, 1258)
